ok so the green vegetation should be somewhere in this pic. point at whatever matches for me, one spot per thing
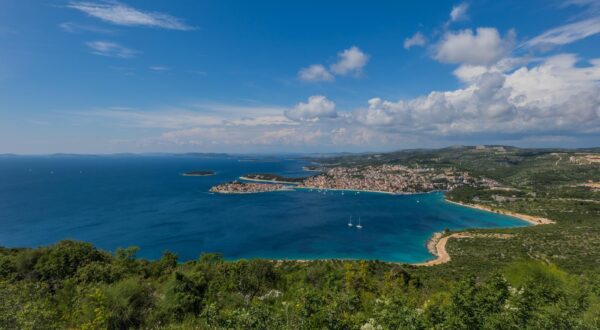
(74, 285)
(273, 177)
(538, 182)
(539, 277)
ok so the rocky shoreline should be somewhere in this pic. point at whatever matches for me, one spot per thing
(237, 187)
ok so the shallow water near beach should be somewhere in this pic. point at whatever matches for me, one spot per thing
(119, 201)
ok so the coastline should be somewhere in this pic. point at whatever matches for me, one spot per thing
(267, 181)
(528, 218)
(373, 191)
(351, 190)
(251, 192)
(437, 246)
(437, 243)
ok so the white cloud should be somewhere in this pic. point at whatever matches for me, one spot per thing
(469, 73)
(459, 12)
(197, 115)
(484, 47)
(111, 49)
(315, 72)
(554, 96)
(318, 107)
(351, 61)
(418, 39)
(120, 14)
(565, 34)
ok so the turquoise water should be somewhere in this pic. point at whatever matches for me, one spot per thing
(119, 201)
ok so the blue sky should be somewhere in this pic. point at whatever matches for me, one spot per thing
(284, 76)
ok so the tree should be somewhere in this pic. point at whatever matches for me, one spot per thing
(184, 295)
(62, 260)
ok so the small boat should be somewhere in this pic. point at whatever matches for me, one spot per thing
(359, 226)
(350, 223)
(418, 201)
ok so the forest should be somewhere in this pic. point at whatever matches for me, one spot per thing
(72, 285)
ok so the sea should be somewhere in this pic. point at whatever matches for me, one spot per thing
(118, 201)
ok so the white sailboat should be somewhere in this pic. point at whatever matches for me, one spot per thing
(350, 223)
(359, 226)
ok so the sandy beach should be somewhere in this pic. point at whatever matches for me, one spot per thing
(437, 244)
(529, 218)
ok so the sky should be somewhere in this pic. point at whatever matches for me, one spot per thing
(296, 76)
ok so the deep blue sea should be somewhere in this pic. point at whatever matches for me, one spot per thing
(119, 201)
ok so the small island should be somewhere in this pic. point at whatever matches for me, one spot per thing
(198, 173)
(237, 187)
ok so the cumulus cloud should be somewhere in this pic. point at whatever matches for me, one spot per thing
(554, 96)
(315, 72)
(459, 12)
(557, 96)
(351, 61)
(484, 46)
(111, 49)
(565, 34)
(318, 107)
(120, 14)
(418, 39)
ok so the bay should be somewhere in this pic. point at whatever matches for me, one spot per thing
(131, 200)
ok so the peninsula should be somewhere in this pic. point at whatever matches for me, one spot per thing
(387, 178)
(266, 177)
(393, 178)
(237, 187)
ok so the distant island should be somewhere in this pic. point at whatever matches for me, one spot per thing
(199, 173)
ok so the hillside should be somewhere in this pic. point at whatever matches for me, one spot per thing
(538, 277)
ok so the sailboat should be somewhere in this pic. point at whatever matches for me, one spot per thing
(359, 226)
(350, 223)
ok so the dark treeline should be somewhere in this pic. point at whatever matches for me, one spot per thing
(73, 285)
